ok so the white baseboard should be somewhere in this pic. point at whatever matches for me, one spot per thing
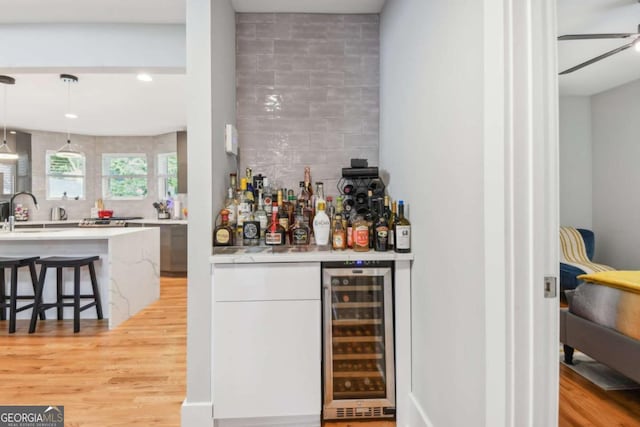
(196, 414)
(294, 421)
(417, 416)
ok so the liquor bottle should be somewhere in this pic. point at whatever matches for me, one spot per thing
(402, 231)
(307, 180)
(291, 207)
(283, 215)
(231, 205)
(360, 229)
(233, 181)
(275, 234)
(223, 234)
(339, 234)
(244, 207)
(251, 231)
(267, 194)
(261, 215)
(331, 209)
(392, 219)
(370, 216)
(350, 219)
(319, 195)
(300, 234)
(381, 230)
(321, 225)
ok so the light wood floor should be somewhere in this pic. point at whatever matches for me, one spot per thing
(135, 374)
(585, 404)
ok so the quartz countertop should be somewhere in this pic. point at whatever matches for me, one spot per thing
(311, 253)
(77, 233)
(74, 222)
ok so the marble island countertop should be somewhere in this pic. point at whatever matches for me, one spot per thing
(74, 222)
(76, 233)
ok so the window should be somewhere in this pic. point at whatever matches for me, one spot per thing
(124, 176)
(65, 175)
(167, 175)
(7, 174)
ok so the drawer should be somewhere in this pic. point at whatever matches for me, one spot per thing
(266, 282)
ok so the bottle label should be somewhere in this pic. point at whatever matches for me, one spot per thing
(271, 238)
(251, 230)
(300, 237)
(222, 236)
(338, 240)
(284, 222)
(361, 236)
(391, 240)
(403, 237)
(350, 237)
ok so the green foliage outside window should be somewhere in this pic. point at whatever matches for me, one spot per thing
(125, 176)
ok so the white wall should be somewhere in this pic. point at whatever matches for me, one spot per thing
(431, 143)
(616, 175)
(211, 104)
(92, 47)
(575, 162)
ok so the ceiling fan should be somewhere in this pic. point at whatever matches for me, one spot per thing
(635, 42)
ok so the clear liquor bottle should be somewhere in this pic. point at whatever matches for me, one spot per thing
(402, 231)
(231, 205)
(261, 215)
(392, 219)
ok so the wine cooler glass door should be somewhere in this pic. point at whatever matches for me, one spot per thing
(358, 344)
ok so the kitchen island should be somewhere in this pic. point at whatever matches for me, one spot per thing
(128, 271)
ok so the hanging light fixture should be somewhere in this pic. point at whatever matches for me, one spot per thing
(5, 151)
(69, 150)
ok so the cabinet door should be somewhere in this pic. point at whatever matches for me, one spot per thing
(267, 359)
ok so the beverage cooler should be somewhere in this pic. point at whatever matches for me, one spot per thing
(358, 365)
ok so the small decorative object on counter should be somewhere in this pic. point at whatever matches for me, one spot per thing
(223, 233)
(321, 225)
(21, 213)
(402, 231)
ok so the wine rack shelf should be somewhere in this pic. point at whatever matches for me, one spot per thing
(373, 356)
(357, 339)
(358, 374)
(339, 305)
(356, 322)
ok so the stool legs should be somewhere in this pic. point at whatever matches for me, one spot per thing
(13, 299)
(3, 295)
(38, 300)
(34, 282)
(96, 291)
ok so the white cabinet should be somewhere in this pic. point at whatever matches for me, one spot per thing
(267, 340)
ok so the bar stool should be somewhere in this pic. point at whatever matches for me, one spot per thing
(67, 262)
(14, 264)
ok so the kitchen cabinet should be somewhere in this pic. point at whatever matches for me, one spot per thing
(173, 245)
(267, 343)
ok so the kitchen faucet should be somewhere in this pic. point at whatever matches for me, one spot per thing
(12, 218)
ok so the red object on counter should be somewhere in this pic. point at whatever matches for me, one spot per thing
(105, 214)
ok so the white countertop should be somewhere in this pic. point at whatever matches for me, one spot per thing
(311, 253)
(69, 233)
(73, 222)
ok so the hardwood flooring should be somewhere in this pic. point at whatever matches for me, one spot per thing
(135, 374)
(585, 404)
(131, 376)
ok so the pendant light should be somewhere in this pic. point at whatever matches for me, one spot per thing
(5, 151)
(69, 150)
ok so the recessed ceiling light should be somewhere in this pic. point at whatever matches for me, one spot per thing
(144, 77)
(12, 132)
(71, 116)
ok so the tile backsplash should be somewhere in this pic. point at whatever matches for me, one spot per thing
(94, 147)
(307, 90)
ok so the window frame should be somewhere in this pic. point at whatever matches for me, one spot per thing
(48, 175)
(163, 176)
(106, 189)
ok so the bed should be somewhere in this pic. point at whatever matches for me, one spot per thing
(603, 321)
